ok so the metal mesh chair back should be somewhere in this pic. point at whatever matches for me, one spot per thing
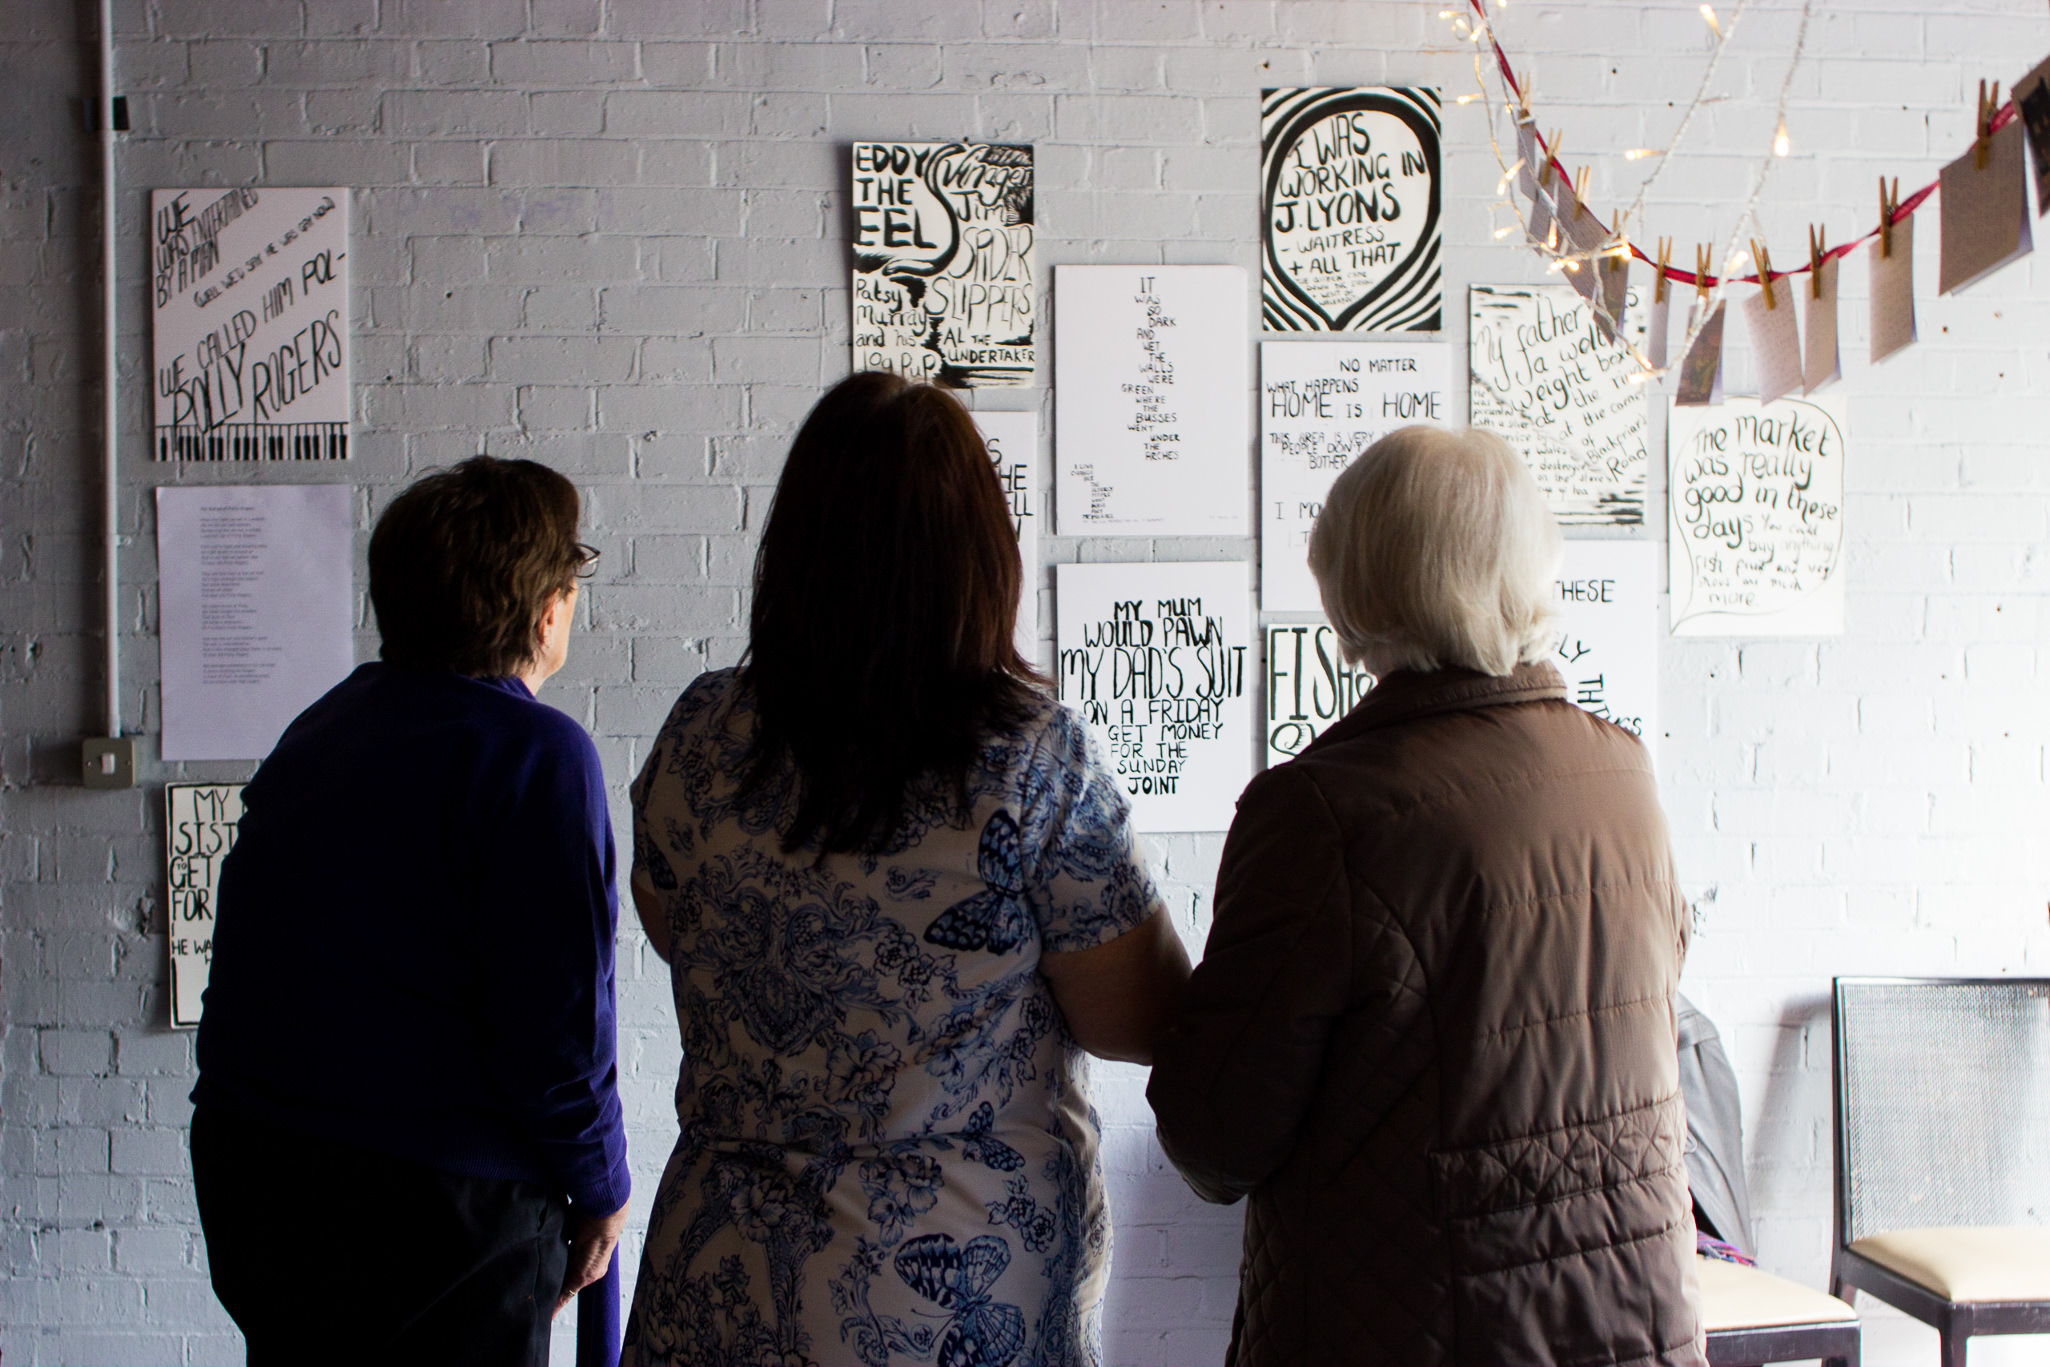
(1943, 1103)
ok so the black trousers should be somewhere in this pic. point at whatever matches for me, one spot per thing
(329, 1253)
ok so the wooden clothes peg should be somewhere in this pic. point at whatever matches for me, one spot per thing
(1989, 105)
(1658, 284)
(1580, 179)
(1889, 205)
(1701, 286)
(1550, 155)
(1818, 249)
(1764, 260)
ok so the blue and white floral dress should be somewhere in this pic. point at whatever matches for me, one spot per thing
(887, 1154)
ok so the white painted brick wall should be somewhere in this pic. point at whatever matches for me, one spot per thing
(608, 234)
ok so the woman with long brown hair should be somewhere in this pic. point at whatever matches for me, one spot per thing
(899, 897)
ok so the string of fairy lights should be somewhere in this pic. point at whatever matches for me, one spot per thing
(1475, 27)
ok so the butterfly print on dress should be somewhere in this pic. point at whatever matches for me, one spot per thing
(996, 918)
(957, 1277)
(979, 1145)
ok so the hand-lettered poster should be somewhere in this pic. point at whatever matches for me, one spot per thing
(1150, 431)
(1158, 660)
(1309, 686)
(1349, 187)
(250, 323)
(1013, 441)
(1608, 632)
(943, 273)
(1321, 404)
(1757, 525)
(1540, 374)
(199, 830)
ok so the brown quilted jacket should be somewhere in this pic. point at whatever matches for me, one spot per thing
(1432, 1038)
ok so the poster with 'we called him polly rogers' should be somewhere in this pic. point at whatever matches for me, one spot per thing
(250, 323)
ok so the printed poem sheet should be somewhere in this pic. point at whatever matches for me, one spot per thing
(257, 608)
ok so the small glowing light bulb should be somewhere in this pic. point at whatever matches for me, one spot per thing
(1469, 99)
(1708, 13)
(1640, 153)
(1781, 143)
(1501, 233)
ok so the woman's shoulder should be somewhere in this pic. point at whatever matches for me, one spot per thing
(709, 697)
(1044, 734)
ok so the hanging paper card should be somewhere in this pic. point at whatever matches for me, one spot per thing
(1321, 404)
(1350, 194)
(1821, 364)
(1701, 369)
(1775, 341)
(1756, 530)
(1985, 211)
(1309, 686)
(943, 274)
(1013, 441)
(1581, 232)
(1893, 291)
(1536, 179)
(1608, 632)
(1614, 273)
(251, 323)
(1657, 326)
(1540, 375)
(1150, 409)
(201, 820)
(2032, 100)
(1156, 658)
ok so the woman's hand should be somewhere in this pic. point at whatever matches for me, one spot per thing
(591, 1241)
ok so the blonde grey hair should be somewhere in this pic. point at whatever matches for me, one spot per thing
(1435, 549)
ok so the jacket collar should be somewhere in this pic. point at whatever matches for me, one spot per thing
(1408, 694)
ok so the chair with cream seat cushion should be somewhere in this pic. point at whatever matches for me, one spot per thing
(1753, 1317)
(1942, 1141)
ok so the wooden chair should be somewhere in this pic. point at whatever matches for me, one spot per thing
(1942, 1149)
(1753, 1317)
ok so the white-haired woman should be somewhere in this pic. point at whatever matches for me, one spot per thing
(1432, 1035)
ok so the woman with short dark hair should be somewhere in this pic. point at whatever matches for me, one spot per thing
(406, 1084)
(898, 896)
(1432, 1036)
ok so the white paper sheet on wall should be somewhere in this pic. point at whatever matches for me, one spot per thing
(1607, 647)
(1150, 430)
(1013, 441)
(256, 606)
(1540, 374)
(1158, 659)
(1756, 529)
(1321, 404)
(200, 823)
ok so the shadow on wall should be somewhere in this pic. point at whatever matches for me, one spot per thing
(1788, 1161)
